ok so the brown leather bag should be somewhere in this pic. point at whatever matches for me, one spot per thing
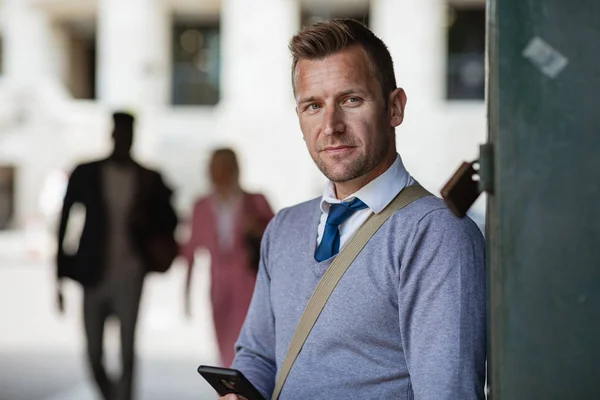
(161, 251)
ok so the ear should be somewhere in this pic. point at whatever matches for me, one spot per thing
(396, 105)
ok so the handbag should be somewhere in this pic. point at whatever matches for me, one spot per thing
(161, 252)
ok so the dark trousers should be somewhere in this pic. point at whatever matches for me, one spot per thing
(121, 299)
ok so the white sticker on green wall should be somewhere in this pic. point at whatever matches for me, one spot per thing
(545, 57)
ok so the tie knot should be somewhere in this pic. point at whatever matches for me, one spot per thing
(340, 212)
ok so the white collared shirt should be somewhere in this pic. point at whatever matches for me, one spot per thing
(119, 187)
(377, 194)
(226, 212)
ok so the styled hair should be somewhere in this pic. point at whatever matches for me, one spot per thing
(322, 39)
(226, 152)
(123, 119)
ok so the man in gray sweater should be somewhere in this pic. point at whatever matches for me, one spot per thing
(407, 320)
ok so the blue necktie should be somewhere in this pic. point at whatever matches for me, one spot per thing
(338, 213)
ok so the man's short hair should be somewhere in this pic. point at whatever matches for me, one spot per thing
(322, 39)
(123, 119)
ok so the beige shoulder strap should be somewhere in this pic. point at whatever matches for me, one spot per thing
(335, 272)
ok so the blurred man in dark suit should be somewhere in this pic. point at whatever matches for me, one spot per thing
(128, 231)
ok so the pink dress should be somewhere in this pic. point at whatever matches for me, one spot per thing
(232, 276)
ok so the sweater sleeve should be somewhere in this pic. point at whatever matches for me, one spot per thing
(442, 308)
(255, 348)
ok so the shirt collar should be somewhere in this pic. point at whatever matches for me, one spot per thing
(378, 193)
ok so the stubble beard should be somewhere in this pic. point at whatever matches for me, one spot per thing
(359, 166)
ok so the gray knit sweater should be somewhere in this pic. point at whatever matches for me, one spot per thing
(407, 320)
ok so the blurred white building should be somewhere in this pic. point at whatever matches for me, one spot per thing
(200, 74)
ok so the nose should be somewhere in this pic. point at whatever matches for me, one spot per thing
(333, 121)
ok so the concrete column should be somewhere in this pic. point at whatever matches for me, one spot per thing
(255, 57)
(155, 79)
(156, 53)
(131, 52)
(415, 34)
(119, 57)
(29, 53)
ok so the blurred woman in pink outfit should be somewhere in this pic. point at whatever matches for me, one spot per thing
(229, 224)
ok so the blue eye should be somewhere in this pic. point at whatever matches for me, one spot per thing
(354, 101)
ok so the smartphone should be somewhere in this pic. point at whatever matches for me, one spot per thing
(226, 381)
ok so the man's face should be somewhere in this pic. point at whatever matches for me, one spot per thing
(223, 171)
(123, 140)
(342, 115)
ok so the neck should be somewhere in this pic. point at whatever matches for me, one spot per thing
(227, 192)
(121, 160)
(345, 189)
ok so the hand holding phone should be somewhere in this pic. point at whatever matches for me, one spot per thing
(232, 397)
(229, 382)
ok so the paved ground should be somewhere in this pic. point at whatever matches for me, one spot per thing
(60, 376)
(41, 354)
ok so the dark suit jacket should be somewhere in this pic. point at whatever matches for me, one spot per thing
(152, 216)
